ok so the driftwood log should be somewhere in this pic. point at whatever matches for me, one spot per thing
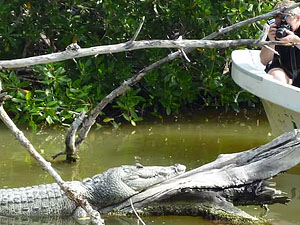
(213, 190)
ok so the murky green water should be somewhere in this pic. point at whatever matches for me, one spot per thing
(192, 141)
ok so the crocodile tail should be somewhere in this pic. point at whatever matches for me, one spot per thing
(41, 200)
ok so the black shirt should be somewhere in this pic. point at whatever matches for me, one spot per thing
(285, 61)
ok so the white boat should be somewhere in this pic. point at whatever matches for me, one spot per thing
(281, 101)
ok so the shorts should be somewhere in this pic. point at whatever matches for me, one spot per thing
(276, 64)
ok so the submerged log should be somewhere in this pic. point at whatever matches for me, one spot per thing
(213, 190)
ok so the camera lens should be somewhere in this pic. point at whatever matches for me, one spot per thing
(281, 32)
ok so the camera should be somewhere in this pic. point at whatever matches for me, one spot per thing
(281, 28)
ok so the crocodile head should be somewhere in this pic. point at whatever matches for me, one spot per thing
(117, 184)
(140, 177)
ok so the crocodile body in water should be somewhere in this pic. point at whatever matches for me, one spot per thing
(112, 186)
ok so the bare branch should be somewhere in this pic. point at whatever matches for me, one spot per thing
(179, 44)
(263, 37)
(129, 43)
(249, 21)
(136, 213)
(264, 33)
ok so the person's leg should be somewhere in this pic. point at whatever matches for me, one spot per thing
(279, 74)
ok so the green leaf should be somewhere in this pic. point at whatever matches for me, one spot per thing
(17, 100)
(108, 119)
(52, 103)
(28, 95)
(33, 125)
(49, 120)
(168, 110)
(132, 123)
(126, 117)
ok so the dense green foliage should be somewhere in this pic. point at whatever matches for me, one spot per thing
(50, 94)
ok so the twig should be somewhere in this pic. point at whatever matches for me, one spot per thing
(129, 44)
(264, 33)
(183, 52)
(58, 154)
(135, 212)
(185, 55)
(263, 37)
(138, 30)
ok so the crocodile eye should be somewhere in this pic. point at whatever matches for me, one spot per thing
(139, 166)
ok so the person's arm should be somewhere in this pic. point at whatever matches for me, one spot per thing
(267, 55)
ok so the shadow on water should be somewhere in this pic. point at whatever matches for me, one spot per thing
(194, 140)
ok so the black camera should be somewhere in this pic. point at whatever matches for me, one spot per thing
(281, 28)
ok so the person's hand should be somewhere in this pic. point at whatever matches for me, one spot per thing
(291, 37)
(272, 32)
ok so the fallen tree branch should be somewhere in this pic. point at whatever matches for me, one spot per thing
(213, 190)
(135, 45)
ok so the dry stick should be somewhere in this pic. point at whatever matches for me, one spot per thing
(129, 46)
(89, 121)
(66, 187)
(136, 213)
(137, 31)
(264, 36)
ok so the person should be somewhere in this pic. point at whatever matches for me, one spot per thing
(284, 67)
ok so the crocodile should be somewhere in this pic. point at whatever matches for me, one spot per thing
(110, 187)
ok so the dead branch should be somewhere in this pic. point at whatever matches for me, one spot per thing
(129, 43)
(71, 53)
(212, 190)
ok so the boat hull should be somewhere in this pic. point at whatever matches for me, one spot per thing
(281, 119)
(281, 101)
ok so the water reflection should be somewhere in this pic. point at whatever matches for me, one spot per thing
(193, 141)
